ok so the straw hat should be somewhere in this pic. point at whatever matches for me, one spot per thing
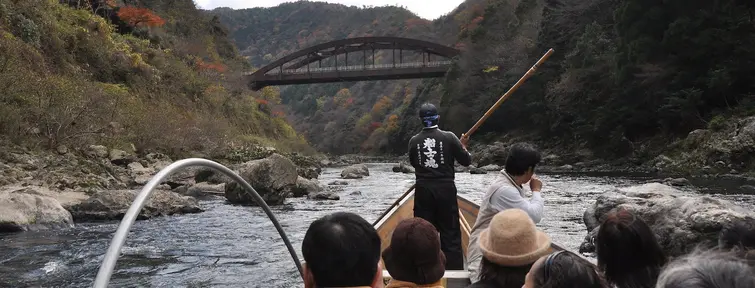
(511, 239)
(414, 254)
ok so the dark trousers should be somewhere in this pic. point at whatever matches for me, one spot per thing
(436, 203)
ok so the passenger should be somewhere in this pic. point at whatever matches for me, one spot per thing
(507, 192)
(740, 238)
(707, 269)
(433, 152)
(414, 258)
(564, 269)
(509, 247)
(342, 250)
(740, 234)
(628, 252)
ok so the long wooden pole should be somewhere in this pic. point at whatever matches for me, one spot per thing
(394, 205)
(508, 93)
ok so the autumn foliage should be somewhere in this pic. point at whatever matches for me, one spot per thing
(217, 67)
(140, 17)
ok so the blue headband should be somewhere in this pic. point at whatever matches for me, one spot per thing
(428, 120)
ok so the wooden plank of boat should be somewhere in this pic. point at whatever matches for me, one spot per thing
(405, 210)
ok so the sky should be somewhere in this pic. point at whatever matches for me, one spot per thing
(428, 9)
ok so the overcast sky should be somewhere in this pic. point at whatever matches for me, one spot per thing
(428, 9)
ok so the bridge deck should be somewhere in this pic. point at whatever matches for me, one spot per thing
(350, 73)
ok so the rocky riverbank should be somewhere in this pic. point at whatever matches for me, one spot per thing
(724, 151)
(52, 189)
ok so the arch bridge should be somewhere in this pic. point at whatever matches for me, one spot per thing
(296, 68)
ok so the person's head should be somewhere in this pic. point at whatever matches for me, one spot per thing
(522, 159)
(414, 254)
(740, 235)
(707, 269)
(564, 269)
(628, 252)
(429, 115)
(341, 250)
(510, 245)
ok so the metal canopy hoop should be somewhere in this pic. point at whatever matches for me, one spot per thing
(113, 252)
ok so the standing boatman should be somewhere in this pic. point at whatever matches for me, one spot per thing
(433, 152)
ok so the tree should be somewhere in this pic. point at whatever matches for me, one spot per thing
(381, 106)
(272, 94)
(139, 17)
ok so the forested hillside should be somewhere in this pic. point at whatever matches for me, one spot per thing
(161, 75)
(629, 79)
(338, 117)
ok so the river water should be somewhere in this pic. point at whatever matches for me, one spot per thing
(234, 246)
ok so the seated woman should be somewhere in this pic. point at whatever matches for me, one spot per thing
(628, 252)
(414, 257)
(510, 245)
(707, 269)
(564, 269)
(740, 238)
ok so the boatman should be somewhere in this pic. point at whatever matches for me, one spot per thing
(506, 193)
(433, 152)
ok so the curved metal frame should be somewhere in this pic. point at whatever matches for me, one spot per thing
(396, 42)
(108, 264)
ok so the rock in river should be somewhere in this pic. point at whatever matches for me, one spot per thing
(680, 220)
(25, 209)
(306, 187)
(113, 204)
(475, 170)
(355, 172)
(324, 195)
(272, 177)
(403, 168)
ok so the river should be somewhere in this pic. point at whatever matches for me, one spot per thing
(234, 246)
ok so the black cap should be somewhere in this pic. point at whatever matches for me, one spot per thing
(427, 110)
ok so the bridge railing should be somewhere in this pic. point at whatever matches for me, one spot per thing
(355, 68)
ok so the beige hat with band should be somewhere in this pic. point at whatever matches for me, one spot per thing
(512, 239)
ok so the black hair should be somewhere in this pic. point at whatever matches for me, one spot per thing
(707, 269)
(503, 276)
(565, 269)
(522, 156)
(628, 252)
(741, 235)
(341, 250)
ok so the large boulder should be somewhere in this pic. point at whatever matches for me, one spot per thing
(403, 168)
(202, 190)
(27, 209)
(113, 204)
(324, 195)
(356, 171)
(475, 170)
(491, 168)
(210, 175)
(306, 187)
(96, 151)
(120, 157)
(311, 172)
(272, 177)
(680, 220)
(495, 153)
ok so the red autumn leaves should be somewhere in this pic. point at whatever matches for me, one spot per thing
(140, 17)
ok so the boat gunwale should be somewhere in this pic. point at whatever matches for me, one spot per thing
(408, 196)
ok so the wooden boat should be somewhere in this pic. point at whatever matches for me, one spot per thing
(404, 209)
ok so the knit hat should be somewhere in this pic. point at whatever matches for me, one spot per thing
(414, 254)
(512, 240)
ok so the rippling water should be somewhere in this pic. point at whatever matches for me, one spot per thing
(233, 246)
